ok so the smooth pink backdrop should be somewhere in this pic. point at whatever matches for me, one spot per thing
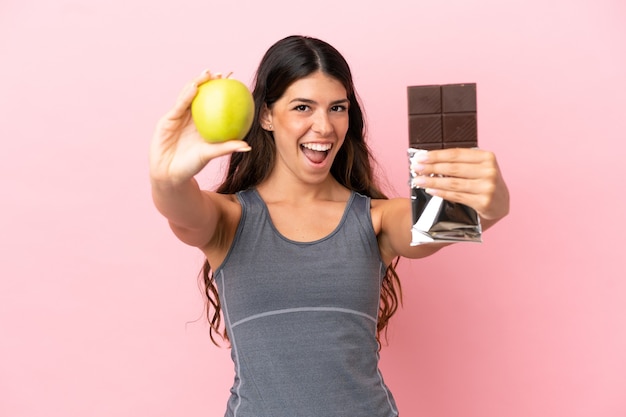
(100, 309)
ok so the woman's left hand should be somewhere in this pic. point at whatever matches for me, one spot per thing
(468, 176)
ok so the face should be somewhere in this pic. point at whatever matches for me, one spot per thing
(309, 123)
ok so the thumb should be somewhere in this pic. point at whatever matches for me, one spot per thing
(215, 150)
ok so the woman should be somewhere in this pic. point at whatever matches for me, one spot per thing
(300, 242)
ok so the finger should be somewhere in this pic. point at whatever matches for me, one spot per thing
(439, 185)
(463, 192)
(188, 93)
(460, 163)
(446, 169)
(476, 201)
(183, 103)
(215, 150)
(476, 193)
(452, 196)
(469, 155)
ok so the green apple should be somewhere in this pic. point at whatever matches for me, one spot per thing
(222, 110)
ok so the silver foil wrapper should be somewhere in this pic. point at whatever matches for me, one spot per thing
(439, 220)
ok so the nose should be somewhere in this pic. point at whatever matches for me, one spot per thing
(322, 124)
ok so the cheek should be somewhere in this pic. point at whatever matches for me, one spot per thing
(343, 128)
(293, 125)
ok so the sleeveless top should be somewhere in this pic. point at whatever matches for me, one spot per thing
(301, 318)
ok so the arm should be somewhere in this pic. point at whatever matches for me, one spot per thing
(468, 176)
(191, 213)
(177, 154)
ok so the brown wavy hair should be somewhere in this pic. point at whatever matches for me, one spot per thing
(289, 60)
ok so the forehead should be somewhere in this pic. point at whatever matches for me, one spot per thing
(317, 85)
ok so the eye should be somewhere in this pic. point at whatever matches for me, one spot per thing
(301, 107)
(339, 108)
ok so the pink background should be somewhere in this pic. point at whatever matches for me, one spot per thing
(100, 310)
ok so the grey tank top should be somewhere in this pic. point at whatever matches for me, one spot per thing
(301, 317)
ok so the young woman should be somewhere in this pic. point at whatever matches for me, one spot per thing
(299, 240)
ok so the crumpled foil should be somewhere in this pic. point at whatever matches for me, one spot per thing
(439, 220)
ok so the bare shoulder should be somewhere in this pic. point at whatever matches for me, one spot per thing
(224, 201)
(380, 207)
(387, 204)
(229, 207)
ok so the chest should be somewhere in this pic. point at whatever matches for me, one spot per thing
(306, 223)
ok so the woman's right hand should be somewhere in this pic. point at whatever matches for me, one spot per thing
(177, 151)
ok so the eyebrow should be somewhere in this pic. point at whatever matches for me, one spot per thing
(309, 101)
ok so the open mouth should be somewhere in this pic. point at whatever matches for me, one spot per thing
(316, 152)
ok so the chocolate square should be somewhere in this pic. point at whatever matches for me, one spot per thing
(424, 99)
(459, 127)
(425, 129)
(458, 98)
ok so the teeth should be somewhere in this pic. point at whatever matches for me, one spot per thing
(320, 147)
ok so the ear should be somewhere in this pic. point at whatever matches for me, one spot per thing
(265, 118)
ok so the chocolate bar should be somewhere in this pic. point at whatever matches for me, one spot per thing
(442, 116)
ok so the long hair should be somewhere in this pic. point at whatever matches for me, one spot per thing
(285, 62)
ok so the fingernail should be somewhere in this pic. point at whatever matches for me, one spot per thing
(418, 167)
(419, 180)
(244, 149)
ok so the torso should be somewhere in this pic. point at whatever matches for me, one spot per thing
(300, 306)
